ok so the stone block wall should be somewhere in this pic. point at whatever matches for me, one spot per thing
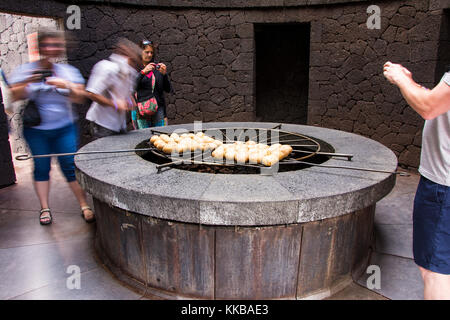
(7, 175)
(209, 50)
(347, 89)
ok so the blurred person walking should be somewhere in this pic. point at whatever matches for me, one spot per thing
(110, 87)
(152, 82)
(52, 87)
(431, 214)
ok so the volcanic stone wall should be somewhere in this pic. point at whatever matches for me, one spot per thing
(347, 88)
(7, 175)
(209, 50)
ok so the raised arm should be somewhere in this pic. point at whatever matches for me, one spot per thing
(427, 103)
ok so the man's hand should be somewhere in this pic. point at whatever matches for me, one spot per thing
(427, 103)
(395, 73)
(123, 104)
(33, 78)
(59, 83)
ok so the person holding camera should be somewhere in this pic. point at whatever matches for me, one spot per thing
(152, 82)
(52, 87)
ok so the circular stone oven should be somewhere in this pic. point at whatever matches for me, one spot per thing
(289, 235)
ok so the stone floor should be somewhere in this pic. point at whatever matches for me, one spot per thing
(36, 261)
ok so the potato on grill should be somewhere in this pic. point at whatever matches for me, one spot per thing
(252, 152)
(186, 142)
(238, 151)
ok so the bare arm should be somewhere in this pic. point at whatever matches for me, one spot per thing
(102, 100)
(18, 90)
(427, 103)
(77, 93)
(76, 89)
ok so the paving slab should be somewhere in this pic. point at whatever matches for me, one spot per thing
(356, 292)
(34, 258)
(21, 228)
(94, 284)
(21, 196)
(395, 210)
(394, 240)
(28, 268)
(400, 277)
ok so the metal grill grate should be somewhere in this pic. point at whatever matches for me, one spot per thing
(304, 147)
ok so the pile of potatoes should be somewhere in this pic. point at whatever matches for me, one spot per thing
(252, 152)
(184, 142)
(241, 152)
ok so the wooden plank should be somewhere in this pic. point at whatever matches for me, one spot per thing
(257, 263)
(108, 231)
(179, 257)
(364, 240)
(342, 249)
(130, 239)
(314, 256)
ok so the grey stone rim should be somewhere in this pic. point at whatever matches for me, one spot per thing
(133, 184)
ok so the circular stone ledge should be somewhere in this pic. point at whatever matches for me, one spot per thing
(221, 4)
(128, 182)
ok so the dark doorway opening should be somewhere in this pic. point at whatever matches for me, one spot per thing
(443, 63)
(282, 72)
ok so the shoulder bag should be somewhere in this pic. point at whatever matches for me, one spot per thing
(31, 116)
(148, 107)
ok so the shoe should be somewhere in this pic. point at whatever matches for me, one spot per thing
(47, 219)
(92, 219)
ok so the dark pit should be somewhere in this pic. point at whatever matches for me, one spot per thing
(158, 157)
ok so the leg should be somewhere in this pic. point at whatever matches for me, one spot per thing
(142, 123)
(79, 193)
(134, 119)
(436, 285)
(66, 141)
(158, 118)
(431, 239)
(42, 189)
(39, 144)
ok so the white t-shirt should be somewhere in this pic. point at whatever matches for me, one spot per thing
(114, 79)
(435, 155)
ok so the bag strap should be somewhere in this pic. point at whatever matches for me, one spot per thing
(152, 77)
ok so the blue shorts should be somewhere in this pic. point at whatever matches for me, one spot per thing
(431, 226)
(62, 140)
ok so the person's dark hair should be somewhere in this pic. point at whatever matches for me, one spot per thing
(49, 33)
(129, 49)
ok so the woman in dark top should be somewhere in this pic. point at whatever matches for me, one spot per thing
(150, 70)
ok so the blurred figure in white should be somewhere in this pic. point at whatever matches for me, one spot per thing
(110, 87)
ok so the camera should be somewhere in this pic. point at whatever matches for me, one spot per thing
(44, 74)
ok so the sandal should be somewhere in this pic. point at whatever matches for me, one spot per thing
(92, 219)
(46, 219)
